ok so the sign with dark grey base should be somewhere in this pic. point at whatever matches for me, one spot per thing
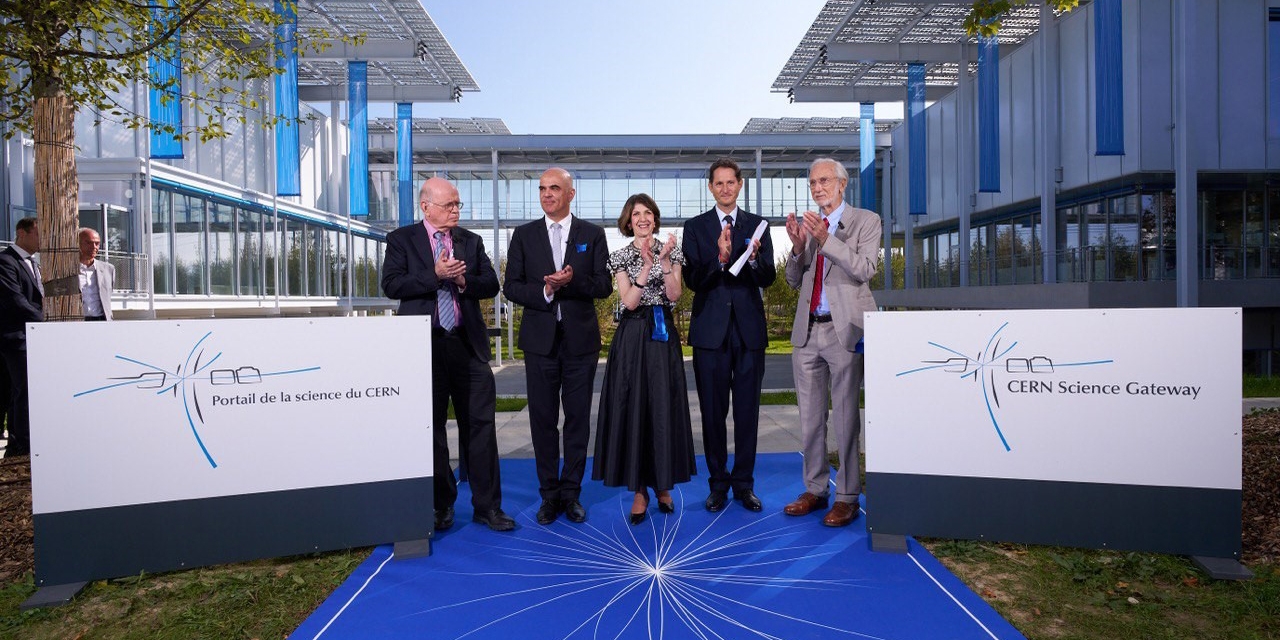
(173, 444)
(1105, 428)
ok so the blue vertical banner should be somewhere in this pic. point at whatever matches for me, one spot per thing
(867, 157)
(988, 114)
(358, 136)
(288, 161)
(1108, 73)
(404, 162)
(917, 143)
(165, 92)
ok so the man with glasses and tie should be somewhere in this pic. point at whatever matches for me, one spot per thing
(557, 269)
(439, 269)
(21, 301)
(833, 256)
(728, 332)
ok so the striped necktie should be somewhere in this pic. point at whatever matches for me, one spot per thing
(444, 297)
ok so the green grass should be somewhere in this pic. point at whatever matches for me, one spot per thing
(260, 599)
(1255, 387)
(1055, 592)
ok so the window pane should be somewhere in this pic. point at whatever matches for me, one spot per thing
(189, 244)
(1123, 242)
(161, 235)
(296, 250)
(221, 248)
(250, 252)
(270, 237)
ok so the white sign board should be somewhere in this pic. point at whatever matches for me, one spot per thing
(1119, 396)
(127, 413)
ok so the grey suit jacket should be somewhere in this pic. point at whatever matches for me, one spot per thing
(106, 280)
(852, 253)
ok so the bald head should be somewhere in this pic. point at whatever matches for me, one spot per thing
(438, 199)
(555, 192)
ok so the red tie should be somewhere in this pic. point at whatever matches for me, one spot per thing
(818, 266)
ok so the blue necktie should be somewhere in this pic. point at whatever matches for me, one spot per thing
(444, 297)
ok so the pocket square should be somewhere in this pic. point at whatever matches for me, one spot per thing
(582, 248)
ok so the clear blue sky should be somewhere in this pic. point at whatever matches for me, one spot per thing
(605, 67)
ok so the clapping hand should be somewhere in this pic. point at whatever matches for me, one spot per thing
(448, 268)
(667, 247)
(814, 227)
(646, 251)
(555, 281)
(795, 231)
(725, 243)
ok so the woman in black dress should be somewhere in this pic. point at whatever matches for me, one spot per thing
(643, 434)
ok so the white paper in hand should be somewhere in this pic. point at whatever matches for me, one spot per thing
(742, 259)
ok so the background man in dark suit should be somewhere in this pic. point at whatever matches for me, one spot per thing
(21, 301)
(832, 259)
(728, 332)
(556, 269)
(436, 268)
(97, 277)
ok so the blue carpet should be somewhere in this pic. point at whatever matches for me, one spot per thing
(692, 574)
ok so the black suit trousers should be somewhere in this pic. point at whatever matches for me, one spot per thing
(459, 376)
(15, 361)
(731, 367)
(551, 380)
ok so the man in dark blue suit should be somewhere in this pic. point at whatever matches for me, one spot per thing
(556, 269)
(436, 268)
(21, 301)
(727, 332)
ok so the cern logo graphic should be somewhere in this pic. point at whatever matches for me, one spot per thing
(187, 380)
(992, 360)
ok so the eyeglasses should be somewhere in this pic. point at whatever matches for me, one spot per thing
(823, 181)
(449, 205)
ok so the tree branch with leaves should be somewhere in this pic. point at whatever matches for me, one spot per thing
(60, 56)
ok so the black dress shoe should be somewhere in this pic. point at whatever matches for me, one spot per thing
(495, 519)
(716, 501)
(548, 511)
(637, 518)
(750, 501)
(666, 507)
(444, 519)
(574, 512)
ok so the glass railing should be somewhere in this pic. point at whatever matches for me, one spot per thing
(131, 271)
(1105, 264)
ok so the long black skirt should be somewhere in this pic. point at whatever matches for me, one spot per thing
(643, 434)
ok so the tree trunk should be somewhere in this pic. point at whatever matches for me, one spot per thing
(57, 200)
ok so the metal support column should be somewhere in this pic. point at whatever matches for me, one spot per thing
(497, 259)
(1185, 187)
(1047, 119)
(968, 157)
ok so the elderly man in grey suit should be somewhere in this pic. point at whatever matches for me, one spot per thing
(833, 256)
(96, 277)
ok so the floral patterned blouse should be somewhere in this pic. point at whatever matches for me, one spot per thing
(628, 259)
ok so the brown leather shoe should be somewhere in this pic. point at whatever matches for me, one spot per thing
(804, 505)
(841, 514)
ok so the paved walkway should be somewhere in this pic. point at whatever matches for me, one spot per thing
(779, 432)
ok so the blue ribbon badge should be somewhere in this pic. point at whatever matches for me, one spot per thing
(582, 248)
(659, 324)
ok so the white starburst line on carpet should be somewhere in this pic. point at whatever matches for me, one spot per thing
(646, 564)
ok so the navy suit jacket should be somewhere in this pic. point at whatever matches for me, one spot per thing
(20, 300)
(529, 259)
(719, 295)
(409, 275)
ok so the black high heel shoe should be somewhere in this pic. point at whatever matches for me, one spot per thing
(637, 518)
(665, 507)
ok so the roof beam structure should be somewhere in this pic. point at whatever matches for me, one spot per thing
(854, 93)
(857, 50)
(380, 93)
